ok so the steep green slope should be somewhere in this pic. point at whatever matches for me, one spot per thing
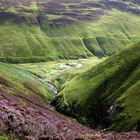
(30, 44)
(25, 113)
(107, 94)
(33, 31)
(17, 81)
(103, 37)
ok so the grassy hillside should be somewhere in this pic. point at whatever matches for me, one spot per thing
(34, 31)
(17, 81)
(112, 32)
(25, 115)
(107, 95)
(24, 110)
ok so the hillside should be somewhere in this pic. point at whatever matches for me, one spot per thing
(34, 31)
(107, 95)
(15, 80)
(69, 69)
(25, 113)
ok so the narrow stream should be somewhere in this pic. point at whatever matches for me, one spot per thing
(52, 88)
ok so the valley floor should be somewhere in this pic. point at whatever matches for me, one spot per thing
(56, 73)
